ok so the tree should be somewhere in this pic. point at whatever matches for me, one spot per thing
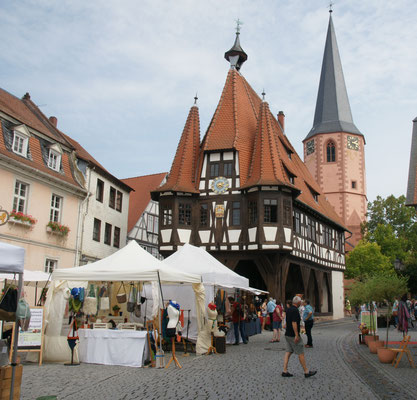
(366, 260)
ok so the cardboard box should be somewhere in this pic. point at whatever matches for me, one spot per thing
(6, 379)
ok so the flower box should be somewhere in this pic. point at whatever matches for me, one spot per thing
(55, 228)
(21, 219)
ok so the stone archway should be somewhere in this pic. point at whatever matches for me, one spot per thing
(249, 269)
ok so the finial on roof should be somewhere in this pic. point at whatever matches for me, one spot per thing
(236, 55)
(331, 7)
(263, 95)
(195, 99)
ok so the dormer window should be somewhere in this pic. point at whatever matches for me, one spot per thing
(54, 160)
(21, 137)
(54, 157)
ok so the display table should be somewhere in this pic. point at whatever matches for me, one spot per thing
(252, 328)
(112, 347)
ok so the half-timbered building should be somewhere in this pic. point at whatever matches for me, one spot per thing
(244, 194)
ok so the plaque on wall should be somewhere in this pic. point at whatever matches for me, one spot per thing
(219, 210)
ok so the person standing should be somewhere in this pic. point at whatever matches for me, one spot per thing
(293, 339)
(264, 313)
(238, 322)
(277, 322)
(395, 312)
(308, 317)
(270, 307)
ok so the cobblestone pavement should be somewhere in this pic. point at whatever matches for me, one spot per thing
(253, 371)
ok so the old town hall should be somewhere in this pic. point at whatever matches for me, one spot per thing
(244, 194)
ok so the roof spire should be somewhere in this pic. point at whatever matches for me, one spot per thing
(331, 7)
(236, 55)
(333, 112)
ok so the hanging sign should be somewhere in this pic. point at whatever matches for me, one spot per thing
(219, 211)
(4, 216)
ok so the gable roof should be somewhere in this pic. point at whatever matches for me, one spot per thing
(182, 177)
(333, 112)
(140, 198)
(234, 122)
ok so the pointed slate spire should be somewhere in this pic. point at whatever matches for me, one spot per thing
(412, 170)
(236, 55)
(182, 175)
(333, 112)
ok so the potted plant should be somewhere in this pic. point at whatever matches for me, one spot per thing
(384, 288)
(116, 309)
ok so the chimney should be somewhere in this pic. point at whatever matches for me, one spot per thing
(26, 96)
(53, 121)
(281, 120)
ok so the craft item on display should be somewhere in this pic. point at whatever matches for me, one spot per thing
(173, 324)
(90, 302)
(130, 306)
(104, 304)
(121, 297)
(23, 314)
(72, 341)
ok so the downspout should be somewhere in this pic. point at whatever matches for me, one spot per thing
(81, 219)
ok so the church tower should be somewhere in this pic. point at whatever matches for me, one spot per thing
(334, 149)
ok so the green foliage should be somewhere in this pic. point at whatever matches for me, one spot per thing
(366, 260)
(393, 226)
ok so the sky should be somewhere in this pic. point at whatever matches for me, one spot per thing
(121, 76)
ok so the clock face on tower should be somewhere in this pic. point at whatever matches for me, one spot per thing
(353, 142)
(310, 147)
(220, 185)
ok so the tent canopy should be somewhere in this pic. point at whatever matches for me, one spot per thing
(193, 259)
(131, 263)
(12, 258)
(31, 278)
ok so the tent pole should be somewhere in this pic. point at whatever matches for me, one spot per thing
(15, 339)
(36, 291)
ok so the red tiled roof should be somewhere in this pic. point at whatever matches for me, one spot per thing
(182, 177)
(234, 122)
(140, 198)
(37, 161)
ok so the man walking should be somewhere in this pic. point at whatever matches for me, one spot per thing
(308, 318)
(270, 308)
(293, 339)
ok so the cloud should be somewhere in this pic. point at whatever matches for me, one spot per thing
(121, 76)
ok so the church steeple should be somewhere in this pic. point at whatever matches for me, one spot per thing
(236, 55)
(333, 112)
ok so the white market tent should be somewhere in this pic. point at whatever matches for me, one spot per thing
(30, 278)
(12, 260)
(215, 275)
(130, 264)
(193, 259)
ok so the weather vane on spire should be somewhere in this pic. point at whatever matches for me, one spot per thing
(195, 99)
(238, 25)
(263, 95)
(331, 7)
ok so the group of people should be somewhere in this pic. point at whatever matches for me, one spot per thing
(277, 316)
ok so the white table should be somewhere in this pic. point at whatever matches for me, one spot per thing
(112, 347)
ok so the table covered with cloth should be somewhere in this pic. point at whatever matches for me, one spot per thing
(113, 347)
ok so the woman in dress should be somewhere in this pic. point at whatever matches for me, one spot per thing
(264, 313)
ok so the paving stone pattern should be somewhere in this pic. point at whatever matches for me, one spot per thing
(251, 371)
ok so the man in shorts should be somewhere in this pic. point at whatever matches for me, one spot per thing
(293, 340)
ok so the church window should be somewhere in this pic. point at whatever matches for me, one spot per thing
(214, 170)
(228, 169)
(297, 222)
(331, 152)
(287, 212)
(353, 184)
(253, 212)
(167, 215)
(270, 211)
(184, 214)
(235, 213)
(204, 214)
